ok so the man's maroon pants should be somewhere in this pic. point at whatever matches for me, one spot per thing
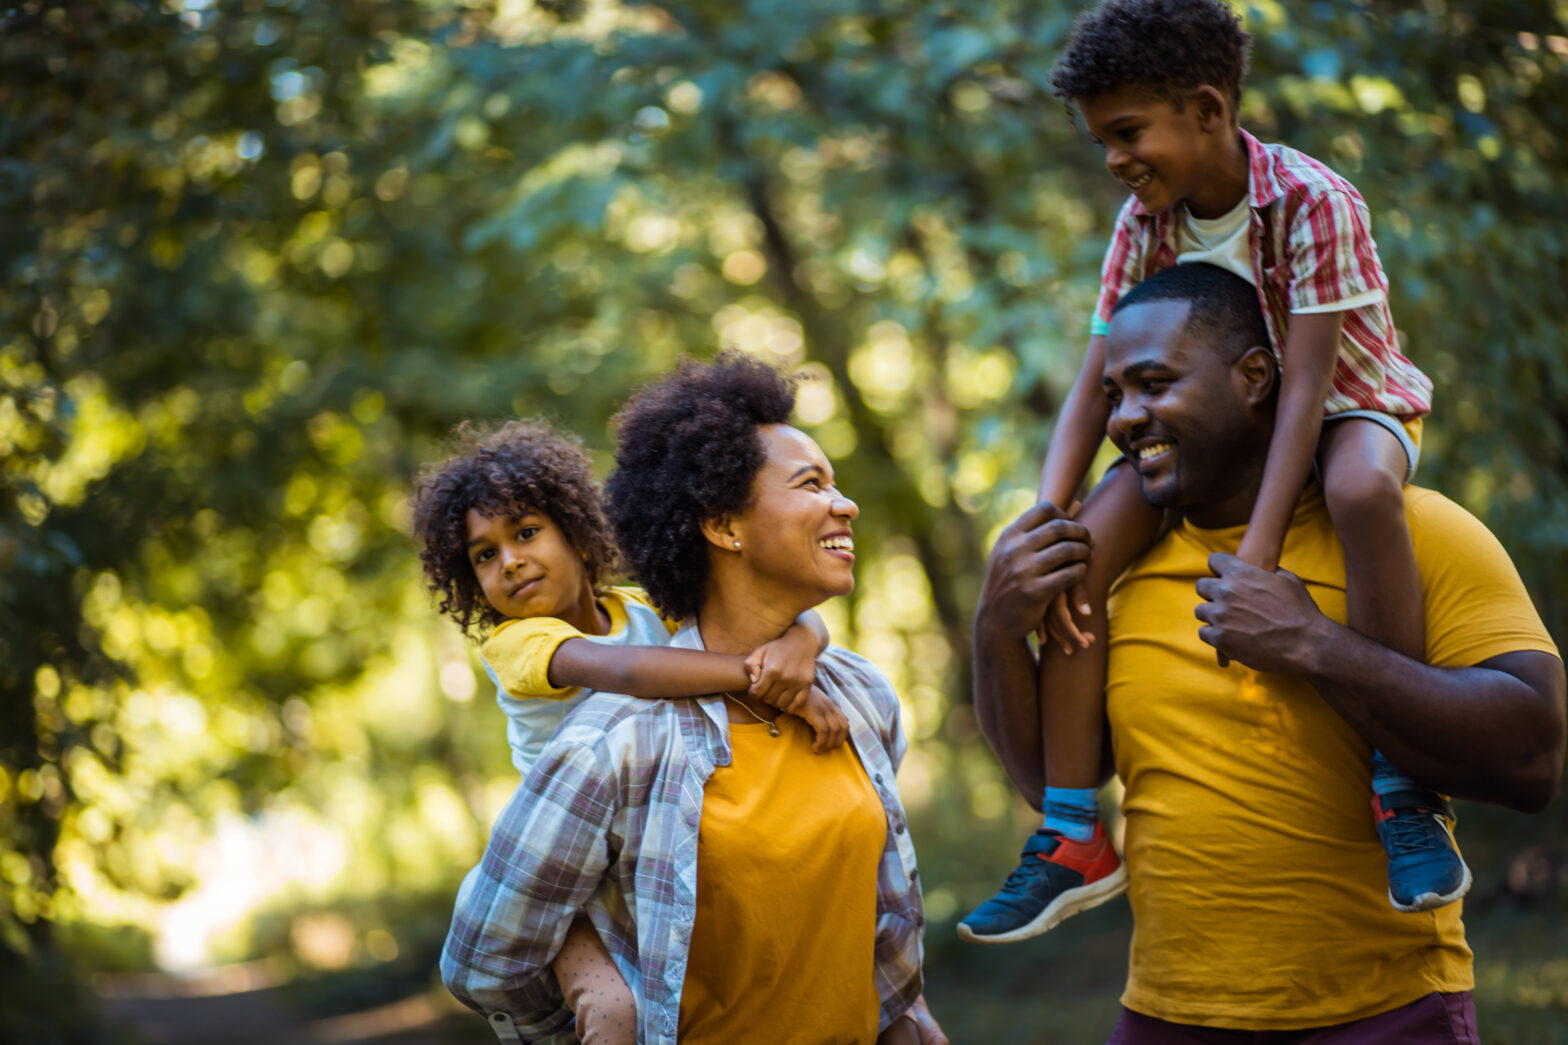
(1437, 1019)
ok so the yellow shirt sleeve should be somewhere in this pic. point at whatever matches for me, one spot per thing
(1476, 605)
(640, 597)
(520, 651)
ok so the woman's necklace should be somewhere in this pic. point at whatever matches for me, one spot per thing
(773, 727)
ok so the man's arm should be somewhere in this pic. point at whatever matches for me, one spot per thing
(1039, 556)
(1492, 732)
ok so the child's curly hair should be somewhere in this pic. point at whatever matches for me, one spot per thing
(689, 451)
(520, 464)
(1166, 47)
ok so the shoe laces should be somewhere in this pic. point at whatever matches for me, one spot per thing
(1411, 834)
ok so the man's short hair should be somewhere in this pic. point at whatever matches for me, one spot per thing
(1225, 309)
(1167, 48)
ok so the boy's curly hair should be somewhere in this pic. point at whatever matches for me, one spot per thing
(689, 451)
(1166, 47)
(520, 464)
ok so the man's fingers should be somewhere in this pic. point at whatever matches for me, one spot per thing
(1210, 634)
(1208, 588)
(1222, 562)
(1052, 532)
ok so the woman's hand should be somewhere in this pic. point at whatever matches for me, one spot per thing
(916, 1027)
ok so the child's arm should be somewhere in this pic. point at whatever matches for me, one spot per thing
(659, 672)
(783, 672)
(652, 672)
(1080, 429)
(1311, 350)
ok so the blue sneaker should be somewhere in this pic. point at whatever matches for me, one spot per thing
(1057, 878)
(1425, 869)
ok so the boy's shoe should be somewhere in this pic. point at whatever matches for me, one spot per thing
(1058, 878)
(1425, 870)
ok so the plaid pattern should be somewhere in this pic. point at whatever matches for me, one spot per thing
(1312, 246)
(607, 821)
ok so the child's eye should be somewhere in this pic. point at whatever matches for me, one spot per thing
(527, 532)
(483, 556)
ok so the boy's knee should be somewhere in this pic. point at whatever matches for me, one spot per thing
(606, 1016)
(1365, 494)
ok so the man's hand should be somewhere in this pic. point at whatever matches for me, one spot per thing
(1263, 619)
(1041, 555)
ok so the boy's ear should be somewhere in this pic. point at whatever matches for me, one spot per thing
(1256, 372)
(1213, 107)
(719, 532)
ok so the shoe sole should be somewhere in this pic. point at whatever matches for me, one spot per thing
(1431, 901)
(1057, 911)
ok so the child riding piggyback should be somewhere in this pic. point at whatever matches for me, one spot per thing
(516, 545)
(1157, 83)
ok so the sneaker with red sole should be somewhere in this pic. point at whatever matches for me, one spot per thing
(1057, 878)
(1425, 869)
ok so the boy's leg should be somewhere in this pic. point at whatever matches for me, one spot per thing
(1069, 865)
(1364, 465)
(594, 988)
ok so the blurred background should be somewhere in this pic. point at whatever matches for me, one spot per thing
(258, 256)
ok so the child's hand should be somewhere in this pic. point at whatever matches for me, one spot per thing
(782, 671)
(825, 719)
(1059, 626)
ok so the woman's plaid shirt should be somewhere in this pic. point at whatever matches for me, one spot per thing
(607, 821)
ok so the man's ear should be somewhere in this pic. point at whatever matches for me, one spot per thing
(719, 532)
(1213, 109)
(1256, 373)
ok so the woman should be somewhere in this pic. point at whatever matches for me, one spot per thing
(750, 891)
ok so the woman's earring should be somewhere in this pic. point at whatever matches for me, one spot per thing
(737, 546)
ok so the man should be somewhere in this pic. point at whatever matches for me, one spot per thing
(1256, 878)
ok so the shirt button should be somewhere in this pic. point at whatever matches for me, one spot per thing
(913, 875)
(899, 828)
(879, 778)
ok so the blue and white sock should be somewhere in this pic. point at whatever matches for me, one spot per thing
(1386, 777)
(1072, 811)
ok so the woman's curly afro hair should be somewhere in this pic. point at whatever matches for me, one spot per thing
(521, 464)
(689, 451)
(1166, 47)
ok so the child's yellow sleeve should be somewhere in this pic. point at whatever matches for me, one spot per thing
(637, 595)
(520, 651)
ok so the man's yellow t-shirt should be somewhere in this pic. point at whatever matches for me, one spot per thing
(1257, 882)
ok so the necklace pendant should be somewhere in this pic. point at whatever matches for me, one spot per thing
(773, 729)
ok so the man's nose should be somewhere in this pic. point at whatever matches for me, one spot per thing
(1127, 417)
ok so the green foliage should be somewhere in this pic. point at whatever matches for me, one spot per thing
(258, 256)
